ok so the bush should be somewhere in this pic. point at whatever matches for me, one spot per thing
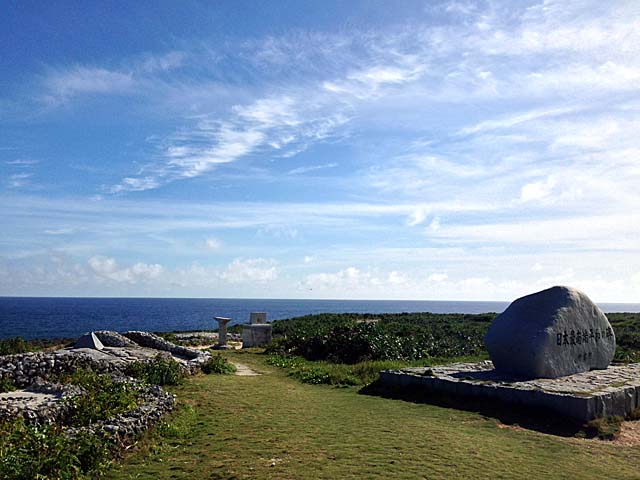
(11, 346)
(354, 338)
(160, 371)
(31, 451)
(218, 364)
(103, 397)
(6, 385)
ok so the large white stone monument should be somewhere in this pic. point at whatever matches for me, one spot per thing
(550, 334)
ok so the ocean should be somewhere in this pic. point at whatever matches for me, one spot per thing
(43, 317)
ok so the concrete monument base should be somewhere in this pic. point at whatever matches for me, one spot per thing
(583, 396)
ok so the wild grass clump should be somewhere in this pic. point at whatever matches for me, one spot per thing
(606, 428)
(218, 364)
(6, 385)
(343, 374)
(11, 346)
(160, 371)
(103, 397)
(30, 452)
(47, 451)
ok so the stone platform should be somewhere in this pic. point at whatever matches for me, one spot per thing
(583, 396)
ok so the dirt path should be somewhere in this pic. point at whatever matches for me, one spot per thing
(244, 371)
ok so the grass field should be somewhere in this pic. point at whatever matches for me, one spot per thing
(274, 427)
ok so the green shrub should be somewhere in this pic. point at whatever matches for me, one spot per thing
(31, 452)
(362, 373)
(218, 364)
(354, 338)
(103, 397)
(6, 385)
(11, 346)
(160, 371)
(168, 336)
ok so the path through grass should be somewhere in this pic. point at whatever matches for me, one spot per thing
(273, 427)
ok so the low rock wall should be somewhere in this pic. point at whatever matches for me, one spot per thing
(149, 340)
(129, 425)
(48, 408)
(24, 368)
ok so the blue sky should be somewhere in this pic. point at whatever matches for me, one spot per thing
(301, 149)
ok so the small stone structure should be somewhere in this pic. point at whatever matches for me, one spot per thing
(222, 333)
(258, 318)
(256, 335)
(89, 340)
(550, 334)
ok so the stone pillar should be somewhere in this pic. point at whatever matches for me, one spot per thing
(258, 318)
(222, 331)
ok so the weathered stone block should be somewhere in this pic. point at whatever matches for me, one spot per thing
(258, 318)
(550, 334)
(256, 335)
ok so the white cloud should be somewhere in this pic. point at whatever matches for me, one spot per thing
(213, 243)
(139, 272)
(18, 180)
(64, 84)
(278, 231)
(537, 267)
(438, 277)
(350, 278)
(131, 184)
(434, 226)
(22, 163)
(311, 168)
(59, 231)
(585, 232)
(308, 259)
(250, 270)
(537, 190)
(396, 278)
(417, 217)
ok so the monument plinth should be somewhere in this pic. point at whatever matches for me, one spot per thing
(222, 333)
(550, 349)
(550, 334)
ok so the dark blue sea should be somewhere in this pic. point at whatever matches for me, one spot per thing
(70, 317)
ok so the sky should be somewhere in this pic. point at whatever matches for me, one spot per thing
(303, 149)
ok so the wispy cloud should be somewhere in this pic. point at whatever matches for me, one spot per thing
(311, 168)
(22, 163)
(18, 180)
(62, 85)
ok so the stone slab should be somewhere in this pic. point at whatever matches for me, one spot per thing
(583, 396)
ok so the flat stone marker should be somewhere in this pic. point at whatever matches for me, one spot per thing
(550, 334)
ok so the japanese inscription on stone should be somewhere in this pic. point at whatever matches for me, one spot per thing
(552, 333)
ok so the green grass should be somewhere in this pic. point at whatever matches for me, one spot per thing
(361, 373)
(273, 426)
